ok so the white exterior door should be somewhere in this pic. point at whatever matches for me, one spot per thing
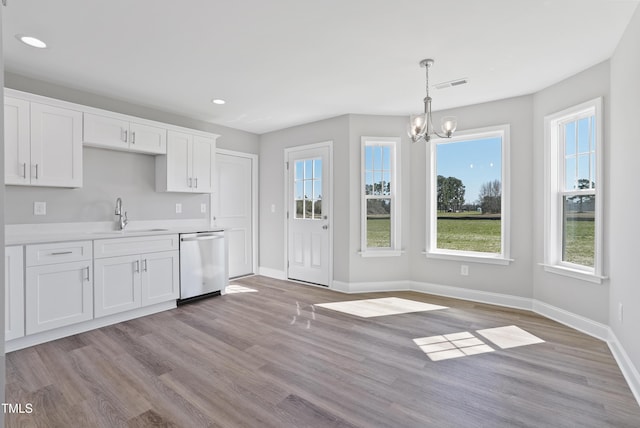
(232, 208)
(309, 208)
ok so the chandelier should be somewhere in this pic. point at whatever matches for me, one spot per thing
(421, 126)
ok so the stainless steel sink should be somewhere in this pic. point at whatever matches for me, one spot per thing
(125, 232)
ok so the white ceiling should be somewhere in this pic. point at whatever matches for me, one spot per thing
(280, 63)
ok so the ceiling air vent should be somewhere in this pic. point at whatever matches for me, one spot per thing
(451, 83)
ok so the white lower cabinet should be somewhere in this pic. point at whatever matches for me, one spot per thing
(13, 293)
(131, 279)
(58, 295)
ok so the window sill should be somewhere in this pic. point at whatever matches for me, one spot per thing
(380, 253)
(574, 273)
(493, 260)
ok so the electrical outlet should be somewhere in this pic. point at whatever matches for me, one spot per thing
(464, 270)
(39, 208)
(178, 208)
(620, 312)
(203, 208)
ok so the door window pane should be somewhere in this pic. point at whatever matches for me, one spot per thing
(308, 188)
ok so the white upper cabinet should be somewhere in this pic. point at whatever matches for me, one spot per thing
(120, 134)
(43, 144)
(188, 164)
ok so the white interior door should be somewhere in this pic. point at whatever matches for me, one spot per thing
(308, 213)
(233, 208)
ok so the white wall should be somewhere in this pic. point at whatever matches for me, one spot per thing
(578, 297)
(2, 204)
(272, 182)
(515, 279)
(624, 201)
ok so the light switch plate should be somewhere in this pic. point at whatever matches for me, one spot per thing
(39, 208)
(178, 208)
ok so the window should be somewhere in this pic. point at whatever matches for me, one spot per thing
(380, 197)
(467, 209)
(308, 188)
(573, 199)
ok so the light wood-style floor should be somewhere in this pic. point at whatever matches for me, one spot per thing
(242, 360)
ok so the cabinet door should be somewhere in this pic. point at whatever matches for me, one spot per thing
(58, 295)
(116, 284)
(160, 277)
(147, 139)
(13, 293)
(56, 146)
(179, 175)
(203, 157)
(102, 131)
(16, 141)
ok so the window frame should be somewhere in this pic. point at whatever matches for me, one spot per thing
(502, 258)
(554, 191)
(394, 190)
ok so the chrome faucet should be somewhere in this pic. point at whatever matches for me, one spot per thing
(122, 219)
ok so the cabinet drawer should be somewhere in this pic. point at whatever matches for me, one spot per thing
(59, 252)
(134, 245)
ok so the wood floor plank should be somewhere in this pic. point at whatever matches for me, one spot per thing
(271, 358)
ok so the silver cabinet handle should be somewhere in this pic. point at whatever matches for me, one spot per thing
(126, 135)
(137, 268)
(325, 227)
(144, 265)
(88, 278)
(190, 182)
(196, 182)
(24, 170)
(59, 253)
(133, 137)
(36, 171)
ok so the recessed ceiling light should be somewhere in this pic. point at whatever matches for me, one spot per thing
(218, 101)
(31, 41)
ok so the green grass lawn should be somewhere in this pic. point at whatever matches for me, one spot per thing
(580, 242)
(378, 232)
(469, 235)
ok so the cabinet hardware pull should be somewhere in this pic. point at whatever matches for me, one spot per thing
(36, 171)
(88, 278)
(133, 137)
(126, 135)
(59, 253)
(137, 266)
(144, 265)
(190, 182)
(24, 170)
(196, 182)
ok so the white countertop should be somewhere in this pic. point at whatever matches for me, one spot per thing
(58, 232)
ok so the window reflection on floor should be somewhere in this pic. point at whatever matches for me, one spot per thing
(380, 307)
(464, 344)
(237, 288)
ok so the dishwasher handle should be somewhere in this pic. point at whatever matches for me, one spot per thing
(201, 237)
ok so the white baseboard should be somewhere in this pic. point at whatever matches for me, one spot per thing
(58, 333)
(272, 273)
(473, 295)
(580, 323)
(370, 287)
(629, 371)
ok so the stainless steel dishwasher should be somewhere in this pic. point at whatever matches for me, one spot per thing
(203, 265)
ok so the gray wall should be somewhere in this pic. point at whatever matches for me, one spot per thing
(514, 279)
(576, 296)
(272, 183)
(111, 174)
(624, 234)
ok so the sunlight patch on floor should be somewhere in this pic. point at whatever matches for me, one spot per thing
(452, 346)
(380, 307)
(236, 288)
(509, 337)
